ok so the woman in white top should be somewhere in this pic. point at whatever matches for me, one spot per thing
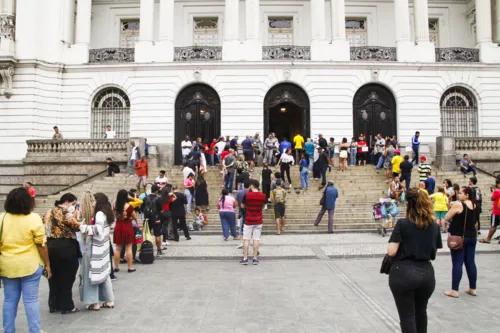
(285, 161)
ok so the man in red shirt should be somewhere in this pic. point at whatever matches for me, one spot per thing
(253, 202)
(141, 170)
(495, 214)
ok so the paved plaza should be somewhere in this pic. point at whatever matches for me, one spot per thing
(314, 294)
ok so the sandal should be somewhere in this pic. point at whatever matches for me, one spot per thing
(449, 294)
(277, 233)
(471, 292)
(116, 270)
(93, 307)
(107, 306)
(75, 310)
(131, 270)
(484, 241)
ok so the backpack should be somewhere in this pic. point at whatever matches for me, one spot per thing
(146, 253)
(279, 195)
(477, 193)
(149, 208)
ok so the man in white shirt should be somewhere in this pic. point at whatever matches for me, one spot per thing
(134, 156)
(221, 145)
(186, 148)
(187, 170)
(379, 147)
(161, 181)
(110, 134)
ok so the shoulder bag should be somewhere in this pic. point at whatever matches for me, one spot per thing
(456, 243)
(322, 200)
(386, 264)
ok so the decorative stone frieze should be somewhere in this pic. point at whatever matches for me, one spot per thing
(112, 55)
(7, 26)
(6, 75)
(197, 53)
(373, 53)
(291, 52)
(457, 54)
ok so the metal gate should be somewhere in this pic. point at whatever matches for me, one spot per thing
(458, 113)
(111, 106)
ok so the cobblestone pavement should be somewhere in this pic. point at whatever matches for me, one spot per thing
(278, 296)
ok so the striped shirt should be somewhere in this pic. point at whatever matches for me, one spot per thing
(423, 170)
(254, 202)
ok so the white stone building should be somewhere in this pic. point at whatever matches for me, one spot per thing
(161, 69)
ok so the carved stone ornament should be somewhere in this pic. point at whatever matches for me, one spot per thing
(374, 74)
(198, 53)
(457, 54)
(291, 52)
(6, 75)
(286, 74)
(7, 26)
(110, 55)
(373, 53)
(197, 74)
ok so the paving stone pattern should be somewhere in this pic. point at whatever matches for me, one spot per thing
(278, 296)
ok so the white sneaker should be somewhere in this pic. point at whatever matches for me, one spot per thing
(165, 243)
(164, 247)
(265, 207)
(240, 246)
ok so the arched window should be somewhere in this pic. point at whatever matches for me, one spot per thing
(111, 106)
(458, 113)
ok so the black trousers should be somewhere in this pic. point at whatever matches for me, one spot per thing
(165, 218)
(412, 284)
(179, 222)
(134, 251)
(266, 189)
(63, 256)
(415, 156)
(111, 255)
(285, 168)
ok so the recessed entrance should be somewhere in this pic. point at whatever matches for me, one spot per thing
(286, 111)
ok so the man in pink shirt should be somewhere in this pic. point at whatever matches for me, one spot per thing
(495, 214)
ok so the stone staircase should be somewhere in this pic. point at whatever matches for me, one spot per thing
(359, 188)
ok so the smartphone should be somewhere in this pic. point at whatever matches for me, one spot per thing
(45, 273)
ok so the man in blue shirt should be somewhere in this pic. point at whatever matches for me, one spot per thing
(466, 166)
(330, 195)
(415, 145)
(309, 146)
(234, 143)
(247, 146)
(284, 146)
(430, 184)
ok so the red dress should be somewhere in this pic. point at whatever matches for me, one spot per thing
(124, 231)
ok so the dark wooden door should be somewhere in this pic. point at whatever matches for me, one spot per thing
(197, 114)
(374, 111)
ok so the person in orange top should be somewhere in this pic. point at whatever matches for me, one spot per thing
(141, 167)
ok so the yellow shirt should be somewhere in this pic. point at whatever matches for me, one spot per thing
(424, 190)
(135, 203)
(298, 141)
(20, 236)
(440, 202)
(396, 162)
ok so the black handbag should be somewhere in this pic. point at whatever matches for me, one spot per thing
(322, 200)
(386, 264)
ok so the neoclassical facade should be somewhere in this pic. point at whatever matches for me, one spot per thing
(163, 69)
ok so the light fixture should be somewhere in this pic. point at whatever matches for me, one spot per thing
(283, 109)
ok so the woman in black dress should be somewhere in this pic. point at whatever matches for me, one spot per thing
(201, 192)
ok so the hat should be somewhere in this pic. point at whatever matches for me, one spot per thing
(423, 158)
(330, 182)
(397, 151)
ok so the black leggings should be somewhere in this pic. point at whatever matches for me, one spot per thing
(285, 168)
(179, 221)
(412, 284)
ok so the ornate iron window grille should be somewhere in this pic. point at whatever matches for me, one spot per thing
(458, 113)
(197, 53)
(115, 55)
(285, 52)
(373, 53)
(457, 54)
(111, 106)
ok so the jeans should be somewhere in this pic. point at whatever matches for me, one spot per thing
(212, 159)
(28, 287)
(415, 156)
(464, 256)
(311, 162)
(189, 198)
(131, 164)
(352, 156)
(412, 284)
(228, 221)
(469, 169)
(323, 176)
(184, 158)
(228, 181)
(304, 178)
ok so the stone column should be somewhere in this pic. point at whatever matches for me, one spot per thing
(231, 48)
(496, 22)
(68, 22)
(165, 47)
(488, 52)
(425, 51)
(78, 53)
(252, 46)
(27, 20)
(144, 49)
(405, 47)
(340, 46)
(8, 28)
(320, 49)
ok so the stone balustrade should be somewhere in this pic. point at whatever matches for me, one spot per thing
(198, 53)
(477, 144)
(457, 54)
(85, 146)
(373, 53)
(111, 55)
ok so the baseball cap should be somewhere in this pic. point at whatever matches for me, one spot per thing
(397, 151)
(423, 158)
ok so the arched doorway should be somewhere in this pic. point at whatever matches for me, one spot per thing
(458, 113)
(197, 114)
(111, 106)
(286, 111)
(374, 111)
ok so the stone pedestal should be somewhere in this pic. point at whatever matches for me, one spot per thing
(340, 50)
(425, 51)
(405, 51)
(145, 52)
(445, 154)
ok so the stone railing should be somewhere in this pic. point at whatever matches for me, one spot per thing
(373, 53)
(477, 144)
(197, 53)
(289, 52)
(85, 146)
(117, 55)
(457, 54)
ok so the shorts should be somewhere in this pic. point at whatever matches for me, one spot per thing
(387, 164)
(279, 210)
(157, 229)
(248, 155)
(252, 231)
(495, 220)
(343, 154)
(141, 179)
(332, 153)
(362, 156)
(395, 174)
(440, 215)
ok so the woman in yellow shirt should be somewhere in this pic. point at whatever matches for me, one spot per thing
(440, 207)
(23, 256)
